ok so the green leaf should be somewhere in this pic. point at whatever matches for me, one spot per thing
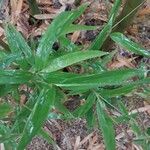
(2, 54)
(48, 138)
(107, 59)
(17, 43)
(4, 89)
(59, 99)
(73, 28)
(14, 77)
(83, 109)
(126, 43)
(5, 109)
(57, 77)
(115, 77)
(118, 91)
(67, 45)
(123, 90)
(71, 58)
(24, 112)
(37, 116)
(7, 138)
(91, 119)
(106, 126)
(115, 9)
(102, 36)
(10, 58)
(54, 31)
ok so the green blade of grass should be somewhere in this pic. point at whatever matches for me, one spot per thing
(59, 99)
(126, 43)
(105, 78)
(72, 28)
(14, 77)
(37, 116)
(118, 91)
(5, 89)
(54, 31)
(103, 35)
(17, 43)
(83, 109)
(125, 89)
(48, 138)
(57, 77)
(8, 59)
(115, 9)
(2, 54)
(71, 58)
(98, 42)
(7, 138)
(5, 109)
(66, 44)
(106, 126)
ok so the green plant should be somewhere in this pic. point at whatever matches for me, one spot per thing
(34, 9)
(41, 71)
(124, 19)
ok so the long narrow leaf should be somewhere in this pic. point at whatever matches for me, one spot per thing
(67, 45)
(102, 36)
(8, 59)
(72, 28)
(126, 43)
(5, 109)
(115, 9)
(57, 77)
(37, 116)
(125, 89)
(114, 77)
(83, 109)
(71, 58)
(14, 77)
(53, 32)
(17, 43)
(106, 126)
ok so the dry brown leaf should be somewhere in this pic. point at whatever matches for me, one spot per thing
(87, 138)
(23, 99)
(135, 147)
(76, 34)
(141, 109)
(16, 7)
(133, 30)
(147, 104)
(44, 2)
(45, 16)
(13, 4)
(145, 11)
(23, 25)
(98, 147)
(2, 146)
(64, 2)
(77, 143)
(1, 31)
(121, 62)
